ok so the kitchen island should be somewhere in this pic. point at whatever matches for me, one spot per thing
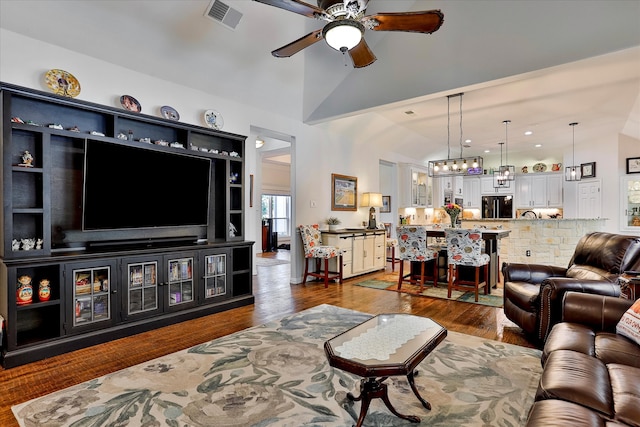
(539, 241)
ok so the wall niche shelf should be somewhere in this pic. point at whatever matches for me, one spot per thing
(112, 281)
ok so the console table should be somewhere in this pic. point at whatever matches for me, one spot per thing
(364, 249)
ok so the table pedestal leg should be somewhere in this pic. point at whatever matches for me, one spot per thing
(371, 389)
(412, 383)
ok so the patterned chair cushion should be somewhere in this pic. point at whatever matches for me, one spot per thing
(464, 247)
(313, 248)
(412, 244)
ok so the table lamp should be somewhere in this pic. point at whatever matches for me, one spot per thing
(374, 200)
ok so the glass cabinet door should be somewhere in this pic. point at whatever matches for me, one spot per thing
(91, 295)
(142, 287)
(215, 275)
(180, 280)
(630, 209)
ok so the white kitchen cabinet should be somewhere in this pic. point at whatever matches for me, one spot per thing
(630, 203)
(539, 191)
(471, 191)
(415, 186)
(486, 187)
(447, 188)
(364, 252)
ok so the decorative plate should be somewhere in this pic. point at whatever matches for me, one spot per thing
(62, 83)
(213, 119)
(128, 102)
(539, 167)
(169, 113)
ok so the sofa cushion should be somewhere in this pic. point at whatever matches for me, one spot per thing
(629, 324)
(578, 378)
(625, 385)
(570, 336)
(558, 413)
(614, 348)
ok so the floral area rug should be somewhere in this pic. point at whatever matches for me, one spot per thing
(277, 375)
(495, 299)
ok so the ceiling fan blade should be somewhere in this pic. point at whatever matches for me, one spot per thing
(427, 21)
(296, 46)
(361, 55)
(294, 6)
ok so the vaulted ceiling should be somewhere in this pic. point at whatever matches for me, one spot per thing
(540, 63)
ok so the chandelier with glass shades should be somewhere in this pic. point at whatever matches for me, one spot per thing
(455, 166)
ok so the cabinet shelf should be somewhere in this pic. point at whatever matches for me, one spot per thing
(37, 304)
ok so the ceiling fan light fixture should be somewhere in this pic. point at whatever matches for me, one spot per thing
(343, 34)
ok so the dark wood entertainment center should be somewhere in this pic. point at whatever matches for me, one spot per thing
(108, 283)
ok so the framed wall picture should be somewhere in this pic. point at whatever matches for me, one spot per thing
(588, 170)
(386, 204)
(344, 192)
(633, 165)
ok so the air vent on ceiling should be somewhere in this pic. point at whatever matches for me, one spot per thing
(222, 13)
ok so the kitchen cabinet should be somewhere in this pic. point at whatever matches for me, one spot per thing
(487, 188)
(539, 191)
(447, 189)
(471, 191)
(415, 186)
(364, 252)
(630, 203)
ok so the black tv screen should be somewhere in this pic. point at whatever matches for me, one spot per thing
(128, 187)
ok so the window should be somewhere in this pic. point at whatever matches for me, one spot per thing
(278, 209)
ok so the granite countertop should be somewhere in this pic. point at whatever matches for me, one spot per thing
(531, 219)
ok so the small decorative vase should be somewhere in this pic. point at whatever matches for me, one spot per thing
(24, 293)
(333, 227)
(44, 290)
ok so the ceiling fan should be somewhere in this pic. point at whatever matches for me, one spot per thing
(347, 23)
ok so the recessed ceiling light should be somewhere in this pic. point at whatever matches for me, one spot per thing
(468, 141)
(487, 151)
(409, 112)
(529, 132)
(538, 145)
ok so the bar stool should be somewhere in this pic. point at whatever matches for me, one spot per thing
(391, 246)
(412, 246)
(464, 247)
(313, 249)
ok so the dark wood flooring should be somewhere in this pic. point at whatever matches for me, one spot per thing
(275, 297)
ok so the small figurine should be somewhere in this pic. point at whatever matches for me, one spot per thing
(28, 244)
(122, 136)
(74, 129)
(15, 245)
(176, 144)
(27, 159)
(44, 290)
(24, 291)
(55, 126)
(32, 123)
(234, 154)
(96, 133)
(16, 120)
(39, 244)
(232, 230)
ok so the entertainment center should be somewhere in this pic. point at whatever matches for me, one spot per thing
(114, 223)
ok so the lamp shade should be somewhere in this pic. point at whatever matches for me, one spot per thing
(372, 199)
(344, 34)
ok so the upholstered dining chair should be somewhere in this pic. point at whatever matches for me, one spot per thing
(464, 248)
(313, 249)
(412, 246)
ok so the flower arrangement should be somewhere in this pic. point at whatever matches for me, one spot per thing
(453, 210)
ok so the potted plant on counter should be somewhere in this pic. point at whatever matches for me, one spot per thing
(333, 223)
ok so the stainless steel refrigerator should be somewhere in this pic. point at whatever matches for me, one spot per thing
(497, 206)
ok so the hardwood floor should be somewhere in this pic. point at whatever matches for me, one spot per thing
(275, 297)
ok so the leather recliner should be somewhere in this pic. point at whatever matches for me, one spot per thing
(533, 292)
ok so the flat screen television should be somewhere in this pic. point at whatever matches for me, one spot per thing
(128, 187)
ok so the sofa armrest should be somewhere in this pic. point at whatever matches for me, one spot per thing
(553, 290)
(530, 273)
(599, 312)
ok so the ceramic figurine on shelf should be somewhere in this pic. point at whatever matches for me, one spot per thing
(122, 136)
(232, 230)
(24, 291)
(28, 244)
(74, 129)
(39, 243)
(27, 159)
(44, 290)
(15, 245)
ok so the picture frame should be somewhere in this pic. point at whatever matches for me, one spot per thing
(386, 204)
(344, 192)
(633, 165)
(588, 170)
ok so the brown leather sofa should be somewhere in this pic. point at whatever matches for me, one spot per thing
(591, 375)
(533, 292)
